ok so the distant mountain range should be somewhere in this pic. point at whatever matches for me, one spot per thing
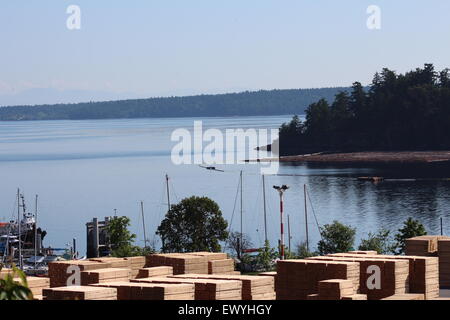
(264, 102)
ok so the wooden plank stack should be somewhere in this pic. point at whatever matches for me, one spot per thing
(151, 291)
(136, 263)
(4, 272)
(423, 272)
(181, 263)
(37, 284)
(225, 266)
(80, 293)
(57, 271)
(105, 275)
(297, 279)
(422, 246)
(394, 274)
(155, 272)
(205, 289)
(444, 262)
(406, 296)
(253, 287)
(335, 289)
(114, 262)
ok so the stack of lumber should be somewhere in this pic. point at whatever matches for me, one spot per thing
(394, 274)
(364, 252)
(155, 272)
(218, 262)
(355, 297)
(4, 272)
(37, 285)
(60, 271)
(297, 279)
(422, 246)
(423, 272)
(335, 289)
(151, 291)
(406, 296)
(181, 263)
(80, 293)
(444, 262)
(205, 289)
(253, 287)
(136, 263)
(105, 275)
(270, 274)
(114, 262)
(225, 266)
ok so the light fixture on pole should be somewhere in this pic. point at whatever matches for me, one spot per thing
(281, 191)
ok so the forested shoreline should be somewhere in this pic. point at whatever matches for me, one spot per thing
(396, 112)
(258, 103)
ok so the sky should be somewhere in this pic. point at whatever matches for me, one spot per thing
(145, 48)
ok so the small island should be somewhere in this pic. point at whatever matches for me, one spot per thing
(399, 118)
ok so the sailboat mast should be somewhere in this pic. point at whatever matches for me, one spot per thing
(35, 232)
(19, 228)
(265, 209)
(242, 232)
(143, 223)
(306, 219)
(167, 191)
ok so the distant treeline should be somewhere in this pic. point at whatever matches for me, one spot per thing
(274, 102)
(408, 111)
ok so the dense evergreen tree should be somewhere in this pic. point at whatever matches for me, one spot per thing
(408, 111)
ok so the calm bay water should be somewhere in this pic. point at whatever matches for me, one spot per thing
(86, 169)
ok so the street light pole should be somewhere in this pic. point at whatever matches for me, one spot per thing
(281, 191)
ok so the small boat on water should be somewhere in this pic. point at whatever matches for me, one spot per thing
(21, 242)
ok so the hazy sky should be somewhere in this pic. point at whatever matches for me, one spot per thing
(165, 47)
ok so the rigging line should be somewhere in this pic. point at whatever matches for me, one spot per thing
(172, 186)
(314, 213)
(234, 207)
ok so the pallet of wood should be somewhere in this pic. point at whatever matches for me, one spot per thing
(151, 291)
(136, 263)
(80, 293)
(406, 296)
(253, 287)
(105, 275)
(4, 272)
(423, 272)
(37, 284)
(394, 274)
(114, 262)
(422, 246)
(155, 272)
(224, 266)
(297, 279)
(181, 263)
(444, 262)
(209, 256)
(335, 289)
(60, 271)
(205, 289)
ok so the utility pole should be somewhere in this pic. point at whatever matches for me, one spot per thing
(281, 191)
(168, 193)
(265, 210)
(442, 229)
(143, 224)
